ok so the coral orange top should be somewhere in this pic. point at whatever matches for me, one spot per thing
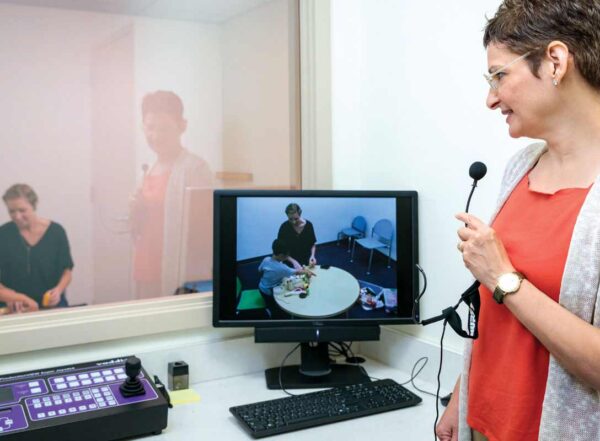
(509, 366)
(149, 244)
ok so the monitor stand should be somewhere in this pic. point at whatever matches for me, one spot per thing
(315, 371)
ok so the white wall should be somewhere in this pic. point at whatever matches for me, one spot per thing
(409, 114)
(257, 90)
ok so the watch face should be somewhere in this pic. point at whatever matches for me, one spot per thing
(509, 282)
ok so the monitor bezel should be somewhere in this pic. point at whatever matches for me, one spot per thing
(217, 228)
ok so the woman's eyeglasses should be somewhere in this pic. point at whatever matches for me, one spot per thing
(493, 79)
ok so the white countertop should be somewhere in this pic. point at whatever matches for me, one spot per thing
(210, 418)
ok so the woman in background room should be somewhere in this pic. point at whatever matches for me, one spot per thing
(35, 258)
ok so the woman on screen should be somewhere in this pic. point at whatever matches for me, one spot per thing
(534, 372)
(299, 235)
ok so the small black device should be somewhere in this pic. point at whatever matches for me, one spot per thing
(81, 402)
(296, 412)
(179, 375)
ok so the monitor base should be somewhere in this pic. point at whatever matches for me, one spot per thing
(291, 378)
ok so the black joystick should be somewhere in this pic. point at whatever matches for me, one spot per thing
(132, 386)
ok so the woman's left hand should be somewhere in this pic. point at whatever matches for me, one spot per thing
(54, 296)
(482, 250)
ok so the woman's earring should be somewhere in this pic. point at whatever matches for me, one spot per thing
(555, 82)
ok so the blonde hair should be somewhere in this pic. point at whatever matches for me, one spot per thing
(21, 191)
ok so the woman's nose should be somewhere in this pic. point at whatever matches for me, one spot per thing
(492, 99)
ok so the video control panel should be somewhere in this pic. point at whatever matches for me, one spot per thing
(84, 401)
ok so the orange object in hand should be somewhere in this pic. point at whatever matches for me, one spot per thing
(46, 299)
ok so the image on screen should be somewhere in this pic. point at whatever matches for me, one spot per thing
(320, 258)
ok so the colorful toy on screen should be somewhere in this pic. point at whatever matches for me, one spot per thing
(300, 281)
(370, 301)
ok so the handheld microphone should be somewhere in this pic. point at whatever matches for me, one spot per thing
(477, 171)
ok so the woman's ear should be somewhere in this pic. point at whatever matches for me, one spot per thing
(558, 56)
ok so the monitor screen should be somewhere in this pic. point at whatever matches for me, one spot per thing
(305, 258)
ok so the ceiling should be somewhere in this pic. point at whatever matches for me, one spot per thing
(211, 11)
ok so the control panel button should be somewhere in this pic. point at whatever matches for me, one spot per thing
(36, 390)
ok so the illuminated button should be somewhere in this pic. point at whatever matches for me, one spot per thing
(56, 397)
(37, 406)
(59, 380)
(95, 390)
(111, 378)
(71, 378)
(98, 395)
(95, 374)
(66, 396)
(112, 402)
(36, 400)
(78, 398)
(72, 409)
(76, 393)
(51, 413)
(103, 404)
(107, 394)
(83, 376)
(46, 398)
(92, 406)
(105, 388)
(62, 411)
(41, 415)
(86, 382)
(100, 400)
(98, 380)
(121, 376)
(57, 402)
(34, 383)
(61, 386)
(74, 384)
(106, 372)
(82, 407)
(36, 390)
(47, 403)
(68, 400)
(119, 371)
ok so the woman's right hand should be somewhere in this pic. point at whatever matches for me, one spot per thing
(447, 428)
(23, 303)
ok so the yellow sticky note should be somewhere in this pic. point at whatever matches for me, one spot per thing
(185, 396)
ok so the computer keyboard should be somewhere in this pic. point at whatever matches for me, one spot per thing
(266, 418)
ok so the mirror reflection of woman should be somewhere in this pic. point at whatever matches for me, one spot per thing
(157, 206)
(35, 258)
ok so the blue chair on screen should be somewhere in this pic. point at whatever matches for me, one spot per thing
(381, 237)
(357, 230)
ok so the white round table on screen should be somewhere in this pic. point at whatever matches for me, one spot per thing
(332, 291)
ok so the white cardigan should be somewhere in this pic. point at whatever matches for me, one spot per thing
(188, 171)
(571, 410)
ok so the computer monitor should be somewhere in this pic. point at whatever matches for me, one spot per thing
(365, 244)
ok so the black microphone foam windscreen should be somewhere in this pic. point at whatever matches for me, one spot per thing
(477, 170)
